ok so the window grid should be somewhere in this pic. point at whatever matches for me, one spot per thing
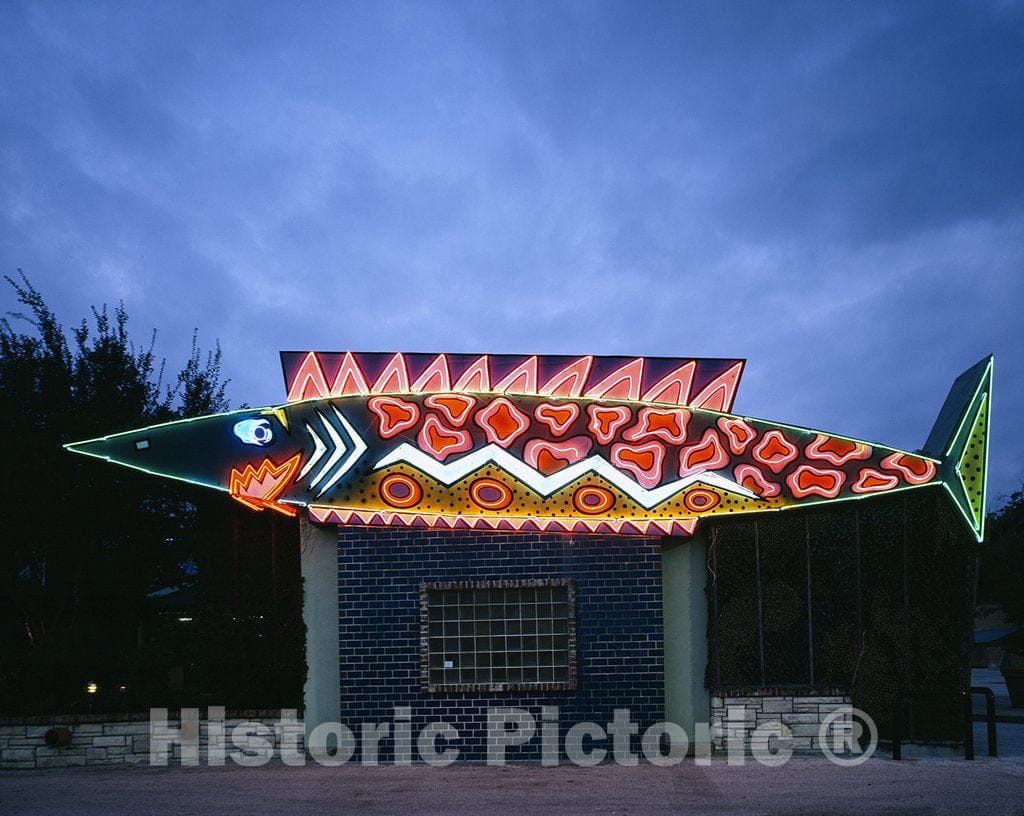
(498, 635)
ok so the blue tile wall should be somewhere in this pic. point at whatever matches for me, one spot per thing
(619, 627)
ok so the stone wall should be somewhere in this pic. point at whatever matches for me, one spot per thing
(126, 740)
(801, 718)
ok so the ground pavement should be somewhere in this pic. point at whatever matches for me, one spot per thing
(801, 787)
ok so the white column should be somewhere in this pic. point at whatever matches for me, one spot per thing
(683, 575)
(322, 692)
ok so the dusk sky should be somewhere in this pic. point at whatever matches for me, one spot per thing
(833, 191)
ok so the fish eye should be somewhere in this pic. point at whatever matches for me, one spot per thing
(254, 432)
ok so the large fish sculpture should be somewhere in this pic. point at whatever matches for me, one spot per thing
(643, 446)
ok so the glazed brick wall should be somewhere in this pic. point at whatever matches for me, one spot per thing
(618, 618)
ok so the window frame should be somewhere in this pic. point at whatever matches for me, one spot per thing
(543, 686)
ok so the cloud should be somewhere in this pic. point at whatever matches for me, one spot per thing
(834, 192)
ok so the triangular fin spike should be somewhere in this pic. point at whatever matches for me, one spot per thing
(476, 377)
(720, 393)
(623, 383)
(435, 377)
(571, 380)
(525, 372)
(349, 379)
(309, 381)
(673, 387)
(394, 379)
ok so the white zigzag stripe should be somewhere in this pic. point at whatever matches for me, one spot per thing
(450, 473)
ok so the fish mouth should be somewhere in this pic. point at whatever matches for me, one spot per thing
(197, 450)
(241, 452)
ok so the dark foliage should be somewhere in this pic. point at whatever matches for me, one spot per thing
(871, 600)
(1001, 567)
(84, 544)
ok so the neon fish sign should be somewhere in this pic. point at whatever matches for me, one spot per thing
(641, 446)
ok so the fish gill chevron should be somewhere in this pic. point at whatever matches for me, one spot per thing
(451, 472)
(338, 450)
(319, 449)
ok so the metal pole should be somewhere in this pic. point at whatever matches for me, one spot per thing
(897, 729)
(968, 728)
(990, 716)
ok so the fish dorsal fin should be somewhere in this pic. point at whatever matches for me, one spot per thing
(697, 382)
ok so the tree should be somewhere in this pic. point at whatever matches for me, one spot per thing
(82, 543)
(1001, 573)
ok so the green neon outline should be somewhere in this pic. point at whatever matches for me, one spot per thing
(837, 500)
(958, 469)
(978, 534)
(868, 442)
(70, 446)
(73, 447)
(984, 379)
(988, 428)
(799, 503)
(802, 504)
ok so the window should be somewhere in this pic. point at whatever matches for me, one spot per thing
(498, 636)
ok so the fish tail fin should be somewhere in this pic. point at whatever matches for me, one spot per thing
(959, 439)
